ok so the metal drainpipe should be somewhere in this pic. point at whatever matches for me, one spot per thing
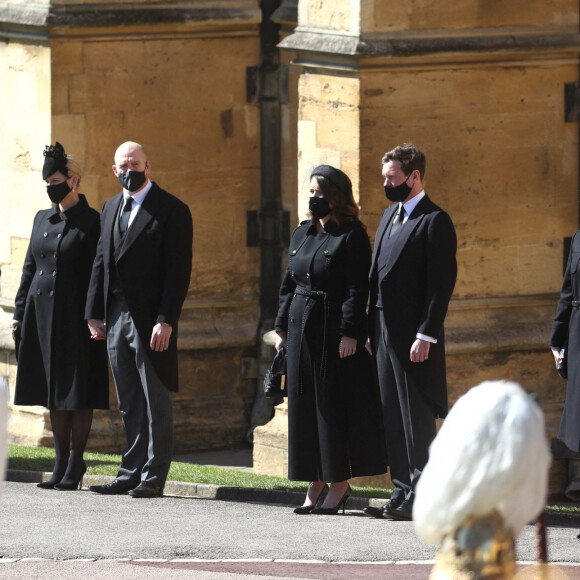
(268, 227)
(270, 160)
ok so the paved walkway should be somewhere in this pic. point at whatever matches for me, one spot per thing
(245, 534)
(247, 570)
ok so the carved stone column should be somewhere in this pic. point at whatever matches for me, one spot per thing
(172, 76)
(482, 90)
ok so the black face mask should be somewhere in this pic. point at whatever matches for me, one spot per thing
(132, 180)
(318, 207)
(398, 192)
(58, 191)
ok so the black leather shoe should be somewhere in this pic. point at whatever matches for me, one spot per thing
(374, 512)
(145, 489)
(403, 512)
(115, 488)
(380, 512)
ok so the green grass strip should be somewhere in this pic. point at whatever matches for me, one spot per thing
(42, 459)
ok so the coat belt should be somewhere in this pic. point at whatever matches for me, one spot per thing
(312, 293)
(324, 295)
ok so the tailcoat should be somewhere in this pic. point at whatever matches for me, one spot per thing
(334, 424)
(566, 333)
(59, 366)
(153, 265)
(415, 286)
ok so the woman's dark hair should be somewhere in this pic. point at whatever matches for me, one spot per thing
(336, 188)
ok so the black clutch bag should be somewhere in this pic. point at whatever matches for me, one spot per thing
(562, 367)
(16, 336)
(274, 386)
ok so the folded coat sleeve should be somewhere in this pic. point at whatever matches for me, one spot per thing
(28, 272)
(441, 261)
(357, 265)
(560, 327)
(95, 304)
(285, 298)
(178, 253)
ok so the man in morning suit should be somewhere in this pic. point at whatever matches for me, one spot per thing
(139, 282)
(412, 278)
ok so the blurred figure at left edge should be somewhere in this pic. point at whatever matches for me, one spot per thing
(59, 366)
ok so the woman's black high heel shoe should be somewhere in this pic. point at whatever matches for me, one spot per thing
(69, 484)
(57, 475)
(334, 510)
(306, 509)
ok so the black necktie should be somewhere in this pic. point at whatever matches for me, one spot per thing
(124, 217)
(398, 221)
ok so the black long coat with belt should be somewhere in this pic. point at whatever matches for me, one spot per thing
(566, 332)
(59, 366)
(334, 424)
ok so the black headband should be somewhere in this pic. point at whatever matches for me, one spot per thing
(337, 177)
(55, 159)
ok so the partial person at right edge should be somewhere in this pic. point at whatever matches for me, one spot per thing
(412, 279)
(566, 335)
(140, 280)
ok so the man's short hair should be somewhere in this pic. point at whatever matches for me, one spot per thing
(409, 156)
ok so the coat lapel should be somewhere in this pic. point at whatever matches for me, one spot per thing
(108, 220)
(399, 241)
(143, 217)
(381, 230)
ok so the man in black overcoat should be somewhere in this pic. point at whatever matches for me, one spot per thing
(411, 281)
(566, 335)
(139, 282)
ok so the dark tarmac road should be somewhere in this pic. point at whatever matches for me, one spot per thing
(50, 534)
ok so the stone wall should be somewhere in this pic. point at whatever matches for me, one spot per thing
(479, 85)
(480, 88)
(171, 76)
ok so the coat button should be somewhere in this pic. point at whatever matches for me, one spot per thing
(59, 236)
(54, 273)
(45, 234)
(52, 292)
(40, 272)
(42, 254)
(293, 252)
(308, 275)
(326, 251)
(38, 291)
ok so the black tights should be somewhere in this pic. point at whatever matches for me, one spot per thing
(69, 461)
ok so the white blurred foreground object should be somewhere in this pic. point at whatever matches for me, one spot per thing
(487, 476)
(4, 410)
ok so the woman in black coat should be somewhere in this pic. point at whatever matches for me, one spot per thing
(566, 334)
(59, 366)
(334, 425)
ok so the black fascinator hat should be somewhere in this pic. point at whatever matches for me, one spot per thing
(55, 159)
